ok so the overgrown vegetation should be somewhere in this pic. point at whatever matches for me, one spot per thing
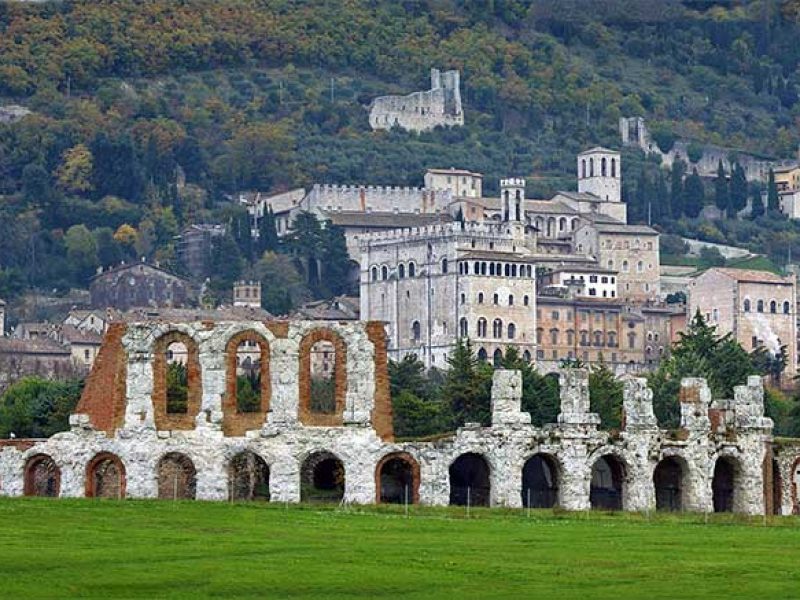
(37, 408)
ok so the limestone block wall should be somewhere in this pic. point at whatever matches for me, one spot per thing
(721, 458)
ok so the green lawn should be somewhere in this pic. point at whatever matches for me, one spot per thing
(84, 548)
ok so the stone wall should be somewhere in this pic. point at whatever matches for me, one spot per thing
(583, 466)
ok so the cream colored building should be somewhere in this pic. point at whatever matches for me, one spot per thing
(757, 307)
(460, 183)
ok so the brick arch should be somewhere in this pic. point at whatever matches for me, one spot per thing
(415, 474)
(98, 470)
(163, 419)
(793, 487)
(234, 422)
(42, 476)
(305, 414)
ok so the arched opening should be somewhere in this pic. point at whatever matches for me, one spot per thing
(469, 481)
(247, 383)
(323, 380)
(374, 274)
(497, 358)
(482, 355)
(723, 486)
(177, 477)
(176, 381)
(416, 331)
(608, 477)
(482, 327)
(540, 482)
(401, 271)
(322, 478)
(777, 489)
(42, 477)
(105, 477)
(497, 329)
(668, 478)
(613, 167)
(603, 166)
(397, 479)
(248, 477)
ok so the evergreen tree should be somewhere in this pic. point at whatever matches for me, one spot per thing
(676, 196)
(268, 240)
(721, 192)
(226, 262)
(773, 202)
(694, 195)
(466, 386)
(117, 170)
(738, 191)
(757, 204)
(659, 205)
(540, 393)
(335, 261)
(605, 396)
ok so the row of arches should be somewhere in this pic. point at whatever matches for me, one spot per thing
(496, 299)
(403, 270)
(397, 478)
(495, 268)
(498, 329)
(604, 163)
(552, 226)
(773, 306)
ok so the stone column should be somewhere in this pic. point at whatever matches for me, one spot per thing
(640, 429)
(754, 434)
(284, 371)
(575, 400)
(695, 398)
(507, 399)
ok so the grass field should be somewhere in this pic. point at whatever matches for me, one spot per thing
(140, 549)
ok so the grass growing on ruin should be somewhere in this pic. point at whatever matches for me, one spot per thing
(148, 549)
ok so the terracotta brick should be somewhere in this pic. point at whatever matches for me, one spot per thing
(305, 414)
(382, 411)
(280, 329)
(235, 423)
(172, 421)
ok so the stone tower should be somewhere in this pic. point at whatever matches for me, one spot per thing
(247, 293)
(512, 193)
(599, 174)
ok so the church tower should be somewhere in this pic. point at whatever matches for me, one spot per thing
(512, 194)
(599, 174)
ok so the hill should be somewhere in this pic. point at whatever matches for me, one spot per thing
(269, 94)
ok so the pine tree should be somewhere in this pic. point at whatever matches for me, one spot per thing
(694, 195)
(773, 202)
(738, 191)
(721, 195)
(757, 209)
(540, 393)
(465, 389)
(676, 195)
(605, 394)
(268, 240)
(335, 260)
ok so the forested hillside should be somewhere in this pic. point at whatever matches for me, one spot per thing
(269, 94)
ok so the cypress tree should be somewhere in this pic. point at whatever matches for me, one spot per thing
(676, 196)
(721, 188)
(694, 195)
(757, 208)
(773, 204)
(738, 191)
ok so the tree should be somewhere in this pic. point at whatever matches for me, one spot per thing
(38, 408)
(75, 172)
(109, 252)
(694, 195)
(282, 286)
(758, 209)
(605, 396)
(676, 188)
(710, 257)
(408, 374)
(540, 393)
(738, 191)
(37, 186)
(466, 386)
(268, 240)
(226, 262)
(773, 202)
(117, 170)
(81, 253)
(335, 261)
(721, 192)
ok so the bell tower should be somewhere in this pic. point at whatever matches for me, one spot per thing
(599, 174)
(512, 194)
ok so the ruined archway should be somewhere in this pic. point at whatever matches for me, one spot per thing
(322, 478)
(724, 484)
(469, 481)
(176, 381)
(177, 477)
(397, 479)
(669, 482)
(607, 485)
(777, 489)
(540, 482)
(322, 378)
(247, 383)
(248, 477)
(42, 477)
(105, 477)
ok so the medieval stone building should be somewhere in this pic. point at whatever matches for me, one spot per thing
(135, 436)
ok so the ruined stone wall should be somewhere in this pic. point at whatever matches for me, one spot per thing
(571, 451)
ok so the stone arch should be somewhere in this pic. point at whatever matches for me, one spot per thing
(541, 474)
(306, 415)
(671, 480)
(794, 484)
(235, 421)
(42, 476)
(725, 484)
(105, 477)
(777, 488)
(248, 477)
(322, 478)
(607, 487)
(497, 357)
(177, 477)
(167, 418)
(470, 481)
(482, 355)
(397, 479)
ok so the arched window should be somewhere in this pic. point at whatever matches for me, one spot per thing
(786, 307)
(562, 224)
(508, 270)
(631, 340)
(177, 477)
(105, 477)
(463, 298)
(496, 299)
(512, 331)
(444, 265)
(554, 337)
(526, 300)
(612, 339)
(384, 272)
(42, 477)
(603, 166)
(247, 383)
(323, 378)
(412, 269)
(551, 227)
(497, 358)
(401, 271)
(511, 299)
(773, 306)
(598, 338)
(481, 327)
(613, 167)
(624, 266)
(583, 168)
(476, 268)
(497, 328)
(416, 331)
(640, 266)
(463, 327)
(513, 270)
(176, 387)
(760, 306)
(591, 167)
(747, 305)
(248, 477)
(374, 273)
(570, 337)
(482, 356)
(480, 297)
(491, 269)
(483, 268)
(526, 356)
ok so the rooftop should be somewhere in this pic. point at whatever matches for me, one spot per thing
(41, 346)
(598, 149)
(389, 220)
(751, 275)
(624, 228)
(454, 171)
